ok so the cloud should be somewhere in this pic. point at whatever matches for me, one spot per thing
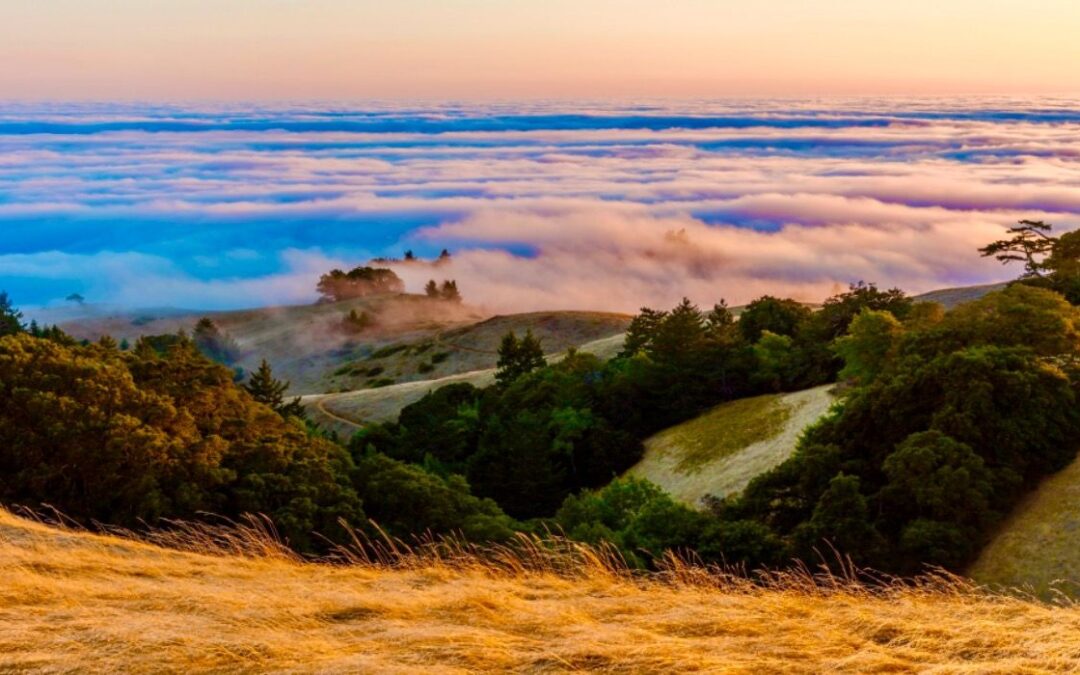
(603, 207)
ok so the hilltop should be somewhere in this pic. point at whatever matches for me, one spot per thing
(94, 603)
(414, 337)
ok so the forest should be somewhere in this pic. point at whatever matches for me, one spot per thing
(946, 420)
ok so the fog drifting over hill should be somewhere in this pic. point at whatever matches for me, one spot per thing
(557, 205)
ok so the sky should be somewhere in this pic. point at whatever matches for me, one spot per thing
(572, 205)
(454, 49)
(590, 154)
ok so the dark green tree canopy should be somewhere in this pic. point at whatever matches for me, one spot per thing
(358, 282)
(518, 357)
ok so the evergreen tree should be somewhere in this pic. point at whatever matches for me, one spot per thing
(518, 357)
(215, 344)
(641, 331)
(449, 291)
(10, 318)
(431, 289)
(265, 389)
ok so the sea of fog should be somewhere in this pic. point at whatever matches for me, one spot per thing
(543, 205)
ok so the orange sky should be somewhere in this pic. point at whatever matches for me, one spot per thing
(349, 49)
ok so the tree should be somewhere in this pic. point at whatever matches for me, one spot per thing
(358, 282)
(410, 256)
(767, 313)
(518, 357)
(938, 478)
(357, 322)
(867, 346)
(431, 289)
(76, 298)
(214, 343)
(774, 357)
(444, 255)
(267, 390)
(679, 336)
(449, 291)
(10, 318)
(641, 331)
(1030, 243)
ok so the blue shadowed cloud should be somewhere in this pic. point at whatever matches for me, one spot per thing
(609, 206)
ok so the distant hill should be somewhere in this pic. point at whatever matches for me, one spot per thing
(79, 602)
(346, 411)
(468, 348)
(303, 343)
(719, 452)
(951, 297)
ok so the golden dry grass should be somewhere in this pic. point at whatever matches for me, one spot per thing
(78, 602)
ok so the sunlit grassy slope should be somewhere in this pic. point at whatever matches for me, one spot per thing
(1039, 545)
(719, 452)
(74, 602)
(344, 411)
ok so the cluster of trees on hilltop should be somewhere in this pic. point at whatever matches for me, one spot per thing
(447, 291)
(336, 285)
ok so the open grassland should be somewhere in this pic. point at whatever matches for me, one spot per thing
(346, 411)
(232, 602)
(1039, 545)
(720, 452)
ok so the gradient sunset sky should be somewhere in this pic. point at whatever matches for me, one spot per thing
(351, 49)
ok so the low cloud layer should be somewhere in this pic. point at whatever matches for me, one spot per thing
(603, 209)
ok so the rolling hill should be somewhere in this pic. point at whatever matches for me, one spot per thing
(1037, 547)
(719, 452)
(345, 412)
(303, 343)
(235, 602)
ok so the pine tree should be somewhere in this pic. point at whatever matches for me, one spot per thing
(10, 318)
(264, 388)
(641, 331)
(431, 289)
(449, 291)
(518, 357)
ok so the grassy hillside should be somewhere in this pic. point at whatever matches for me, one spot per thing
(414, 338)
(303, 343)
(719, 452)
(951, 297)
(1037, 546)
(467, 348)
(78, 602)
(344, 411)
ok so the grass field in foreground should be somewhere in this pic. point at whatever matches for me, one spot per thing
(73, 601)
